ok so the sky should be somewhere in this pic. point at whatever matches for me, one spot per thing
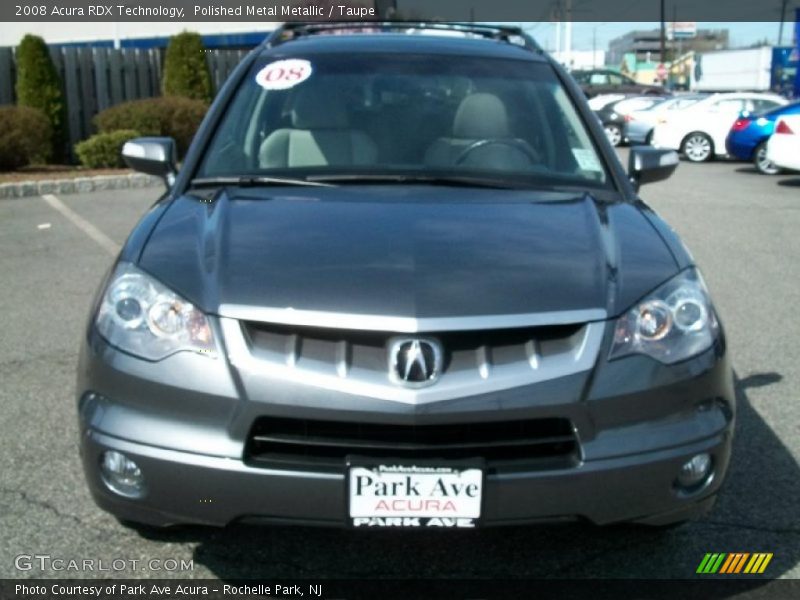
(741, 34)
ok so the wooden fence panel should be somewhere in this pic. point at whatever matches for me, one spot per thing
(115, 77)
(73, 98)
(154, 60)
(129, 73)
(221, 64)
(101, 81)
(88, 90)
(7, 76)
(143, 81)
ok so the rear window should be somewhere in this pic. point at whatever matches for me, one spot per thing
(404, 114)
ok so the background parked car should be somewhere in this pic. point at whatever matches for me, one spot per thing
(612, 115)
(607, 81)
(783, 148)
(599, 101)
(699, 131)
(639, 124)
(747, 139)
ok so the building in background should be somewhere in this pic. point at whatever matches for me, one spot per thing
(646, 45)
(641, 71)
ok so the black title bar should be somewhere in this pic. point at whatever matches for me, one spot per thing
(449, 10)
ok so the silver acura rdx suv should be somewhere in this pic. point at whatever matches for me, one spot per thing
(403, 281)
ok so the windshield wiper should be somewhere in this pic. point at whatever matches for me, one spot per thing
(454, 180)
(254, 181)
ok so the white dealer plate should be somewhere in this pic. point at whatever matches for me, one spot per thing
(414, 496)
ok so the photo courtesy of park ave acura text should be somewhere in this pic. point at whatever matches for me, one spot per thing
(361, 298)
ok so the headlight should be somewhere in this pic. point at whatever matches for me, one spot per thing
(673, 323)
(141, 316)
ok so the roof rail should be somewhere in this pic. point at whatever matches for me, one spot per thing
(508, 34)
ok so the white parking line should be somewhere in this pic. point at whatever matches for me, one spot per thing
(85, 226)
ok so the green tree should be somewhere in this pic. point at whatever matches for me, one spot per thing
(39, 86)
(185, 68)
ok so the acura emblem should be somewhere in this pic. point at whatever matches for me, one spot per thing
(414, 362)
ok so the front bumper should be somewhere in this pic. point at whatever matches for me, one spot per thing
(637, 422)
(783, 151)
(666, 137)
(637, 132)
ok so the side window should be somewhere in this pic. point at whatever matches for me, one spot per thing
(728, 106)
(581, 77)
(598, 79)
(616, 79)
(627, 106)
(762, 105)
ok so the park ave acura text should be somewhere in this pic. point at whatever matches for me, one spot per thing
(403, 280)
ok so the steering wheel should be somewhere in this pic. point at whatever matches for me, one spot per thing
(515, 144)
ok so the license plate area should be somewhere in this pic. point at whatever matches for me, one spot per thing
(404, 494)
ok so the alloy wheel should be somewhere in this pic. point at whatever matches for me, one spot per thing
(614, 134)
(762, 163)
(697, 147)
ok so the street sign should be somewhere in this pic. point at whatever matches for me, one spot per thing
(681, 29)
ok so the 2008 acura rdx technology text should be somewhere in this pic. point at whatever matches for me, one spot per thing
(403, 280)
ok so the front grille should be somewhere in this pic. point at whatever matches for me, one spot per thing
(299, 443)
(363, 355)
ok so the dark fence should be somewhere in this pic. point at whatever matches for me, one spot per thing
(96, 78)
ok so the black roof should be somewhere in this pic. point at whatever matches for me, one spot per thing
(403, 44)
(404, 37)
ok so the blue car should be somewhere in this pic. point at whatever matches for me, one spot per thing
(747, 139)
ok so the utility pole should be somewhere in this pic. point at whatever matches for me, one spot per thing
(558, 40)
(783, 18)
(568, 36)
(557, 19)
(663, 34)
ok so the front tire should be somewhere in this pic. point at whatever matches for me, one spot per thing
(762, 163)
(613, 133)
(697, 147)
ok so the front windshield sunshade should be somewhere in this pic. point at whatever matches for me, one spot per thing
(413, 115)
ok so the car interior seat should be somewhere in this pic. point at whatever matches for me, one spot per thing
(481, 136)
(320, 135)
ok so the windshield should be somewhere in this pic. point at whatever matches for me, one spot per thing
(314, 116)
(787, 109)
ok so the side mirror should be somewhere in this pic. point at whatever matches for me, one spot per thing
(152, 155)
(647, 164)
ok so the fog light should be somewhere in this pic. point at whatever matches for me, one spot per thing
(695, 471)
(121, 474)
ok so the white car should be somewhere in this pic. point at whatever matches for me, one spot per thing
(639, 124)
(699, 130)
(783, 148)
(600, 101)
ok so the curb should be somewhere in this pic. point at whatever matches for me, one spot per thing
(77, 185)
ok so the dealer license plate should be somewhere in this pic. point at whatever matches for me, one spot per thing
(414, 496)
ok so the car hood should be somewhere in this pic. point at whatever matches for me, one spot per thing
(406, 251)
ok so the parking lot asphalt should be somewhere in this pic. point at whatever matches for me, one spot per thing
(743, 230)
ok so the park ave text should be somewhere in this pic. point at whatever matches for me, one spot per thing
(326, 11)
(192, 589)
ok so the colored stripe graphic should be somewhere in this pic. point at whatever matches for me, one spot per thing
(727, 564)
(758, 563)
(734, 563)
(711, 562)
